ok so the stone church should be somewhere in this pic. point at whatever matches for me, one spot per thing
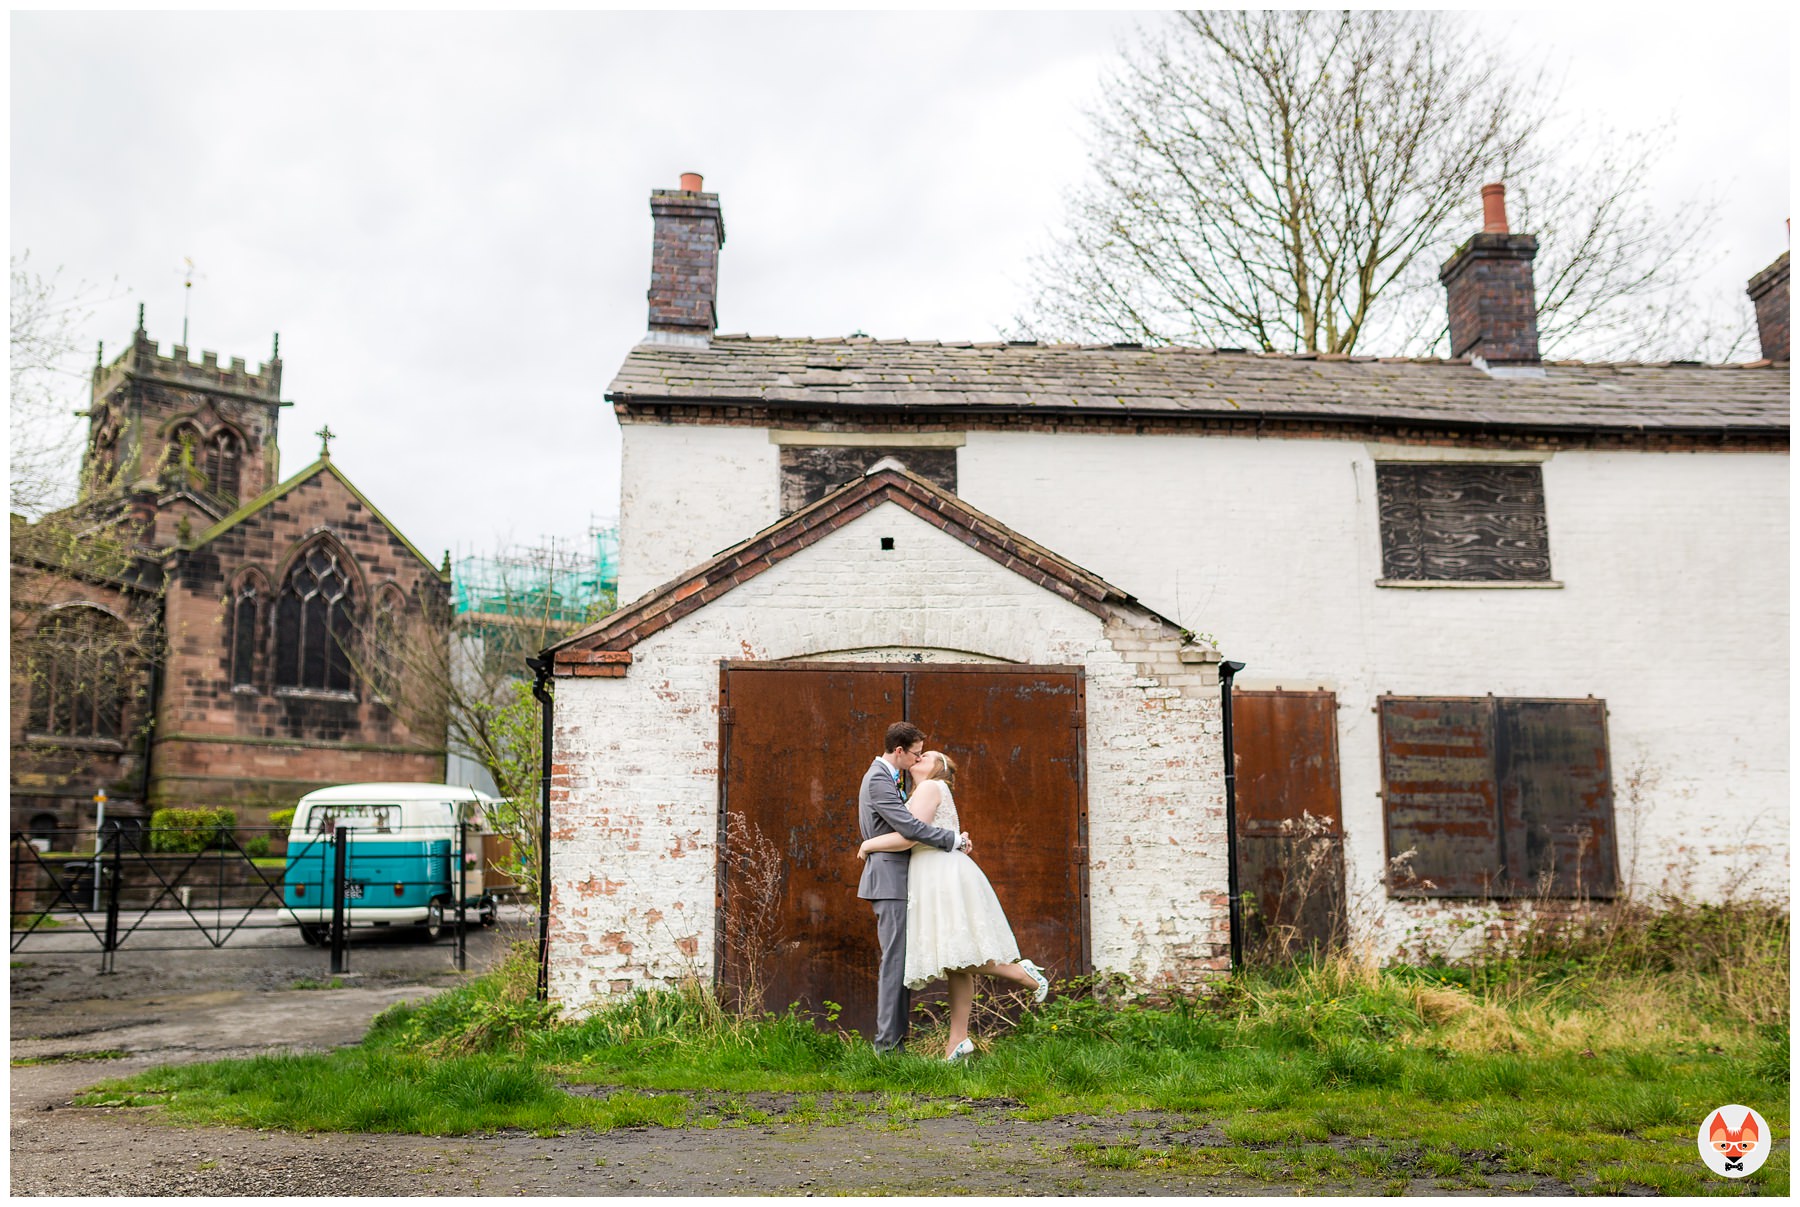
(198, 630)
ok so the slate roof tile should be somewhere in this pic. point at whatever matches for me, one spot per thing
(929, 375)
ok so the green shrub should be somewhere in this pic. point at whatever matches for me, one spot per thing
(182, 831)
(281, 819)
(258, 847)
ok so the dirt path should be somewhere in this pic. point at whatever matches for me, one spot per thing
(207, 1005)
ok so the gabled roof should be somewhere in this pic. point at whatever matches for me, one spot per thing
(859, 374)
(322, 465)
(602, 649)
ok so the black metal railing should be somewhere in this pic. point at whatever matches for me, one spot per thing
(196, 887)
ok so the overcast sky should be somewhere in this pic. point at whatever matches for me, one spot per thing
(446, 215)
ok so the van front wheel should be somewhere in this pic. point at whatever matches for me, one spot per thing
(433, 925)
(313, 936)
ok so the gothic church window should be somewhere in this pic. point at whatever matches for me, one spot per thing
(79, 672)
(181, 460)
(103, 462)
(245, 607)
(315, 624)
(221, 465)
(386, 657)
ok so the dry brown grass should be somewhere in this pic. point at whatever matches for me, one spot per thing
(1617, 977)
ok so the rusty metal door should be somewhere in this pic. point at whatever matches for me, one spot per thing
(1017, 740)
(795, 742)
(1498, 797)
(1290, 820)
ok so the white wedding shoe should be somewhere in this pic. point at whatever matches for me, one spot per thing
(965, 1048)
(1037, 974)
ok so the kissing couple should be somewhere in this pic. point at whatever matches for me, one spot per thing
(935, 913)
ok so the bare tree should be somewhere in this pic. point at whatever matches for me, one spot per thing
(1291, 180)
(463, 673)
(47, 384)
(86, 596)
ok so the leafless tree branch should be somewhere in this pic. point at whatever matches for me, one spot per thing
(1293, 179)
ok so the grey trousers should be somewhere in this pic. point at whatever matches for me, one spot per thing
(893, 1001)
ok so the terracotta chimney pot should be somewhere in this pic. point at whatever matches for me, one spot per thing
(1493, 209)
(690, 182)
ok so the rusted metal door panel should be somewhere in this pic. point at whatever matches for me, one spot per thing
(1556, 803)
(1017, 742)
(1437, 770)
(795, 746)
(796, 741)
(1290, 819)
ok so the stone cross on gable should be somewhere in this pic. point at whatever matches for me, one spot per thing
(325, 435)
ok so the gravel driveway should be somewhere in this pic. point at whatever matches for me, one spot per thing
(175, 1007)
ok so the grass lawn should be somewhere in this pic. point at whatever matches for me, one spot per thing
(1595, 1074)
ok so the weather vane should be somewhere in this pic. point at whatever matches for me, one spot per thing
(188, 277)
(325, 434)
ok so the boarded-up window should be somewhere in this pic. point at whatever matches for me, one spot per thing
(810, 472)
(1463, 523)
(1498, 797)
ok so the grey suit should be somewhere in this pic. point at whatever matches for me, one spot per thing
(880, 810)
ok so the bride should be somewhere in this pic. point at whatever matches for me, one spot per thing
(955, 927)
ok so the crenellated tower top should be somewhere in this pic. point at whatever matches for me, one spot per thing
(195, 437)
(143, 359)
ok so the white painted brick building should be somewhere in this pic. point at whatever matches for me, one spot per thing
(1545, 604)
(887, 570)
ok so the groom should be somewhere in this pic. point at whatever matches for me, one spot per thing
(881, 807)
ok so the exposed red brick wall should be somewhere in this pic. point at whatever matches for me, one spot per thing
(1769, 291)
(1493, 303)
(684, 261)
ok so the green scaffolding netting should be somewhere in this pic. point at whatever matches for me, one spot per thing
(558, 582)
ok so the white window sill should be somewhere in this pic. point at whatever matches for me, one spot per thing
(244, 689)
(1459, 585)
(111, 745)
(314, 693)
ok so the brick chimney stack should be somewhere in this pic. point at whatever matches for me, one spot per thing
(1493, 302)
(1769, 292)
(689, 230)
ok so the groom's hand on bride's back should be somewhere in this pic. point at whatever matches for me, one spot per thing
(965, 844)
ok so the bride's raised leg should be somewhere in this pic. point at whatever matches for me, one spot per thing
(1008, 972)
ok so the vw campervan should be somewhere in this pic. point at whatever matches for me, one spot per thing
(401, 861)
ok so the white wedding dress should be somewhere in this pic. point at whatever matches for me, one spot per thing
(953, 919)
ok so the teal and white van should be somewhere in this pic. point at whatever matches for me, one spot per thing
(401, 861)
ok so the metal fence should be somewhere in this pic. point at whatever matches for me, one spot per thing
(190, 888)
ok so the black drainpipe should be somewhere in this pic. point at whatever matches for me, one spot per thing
(1227, 671)
(547, 705)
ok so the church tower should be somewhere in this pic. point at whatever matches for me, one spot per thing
(186, 443)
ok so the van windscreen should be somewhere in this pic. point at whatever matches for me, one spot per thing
(325, 818)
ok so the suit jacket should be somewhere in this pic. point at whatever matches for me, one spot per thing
(881, 809)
